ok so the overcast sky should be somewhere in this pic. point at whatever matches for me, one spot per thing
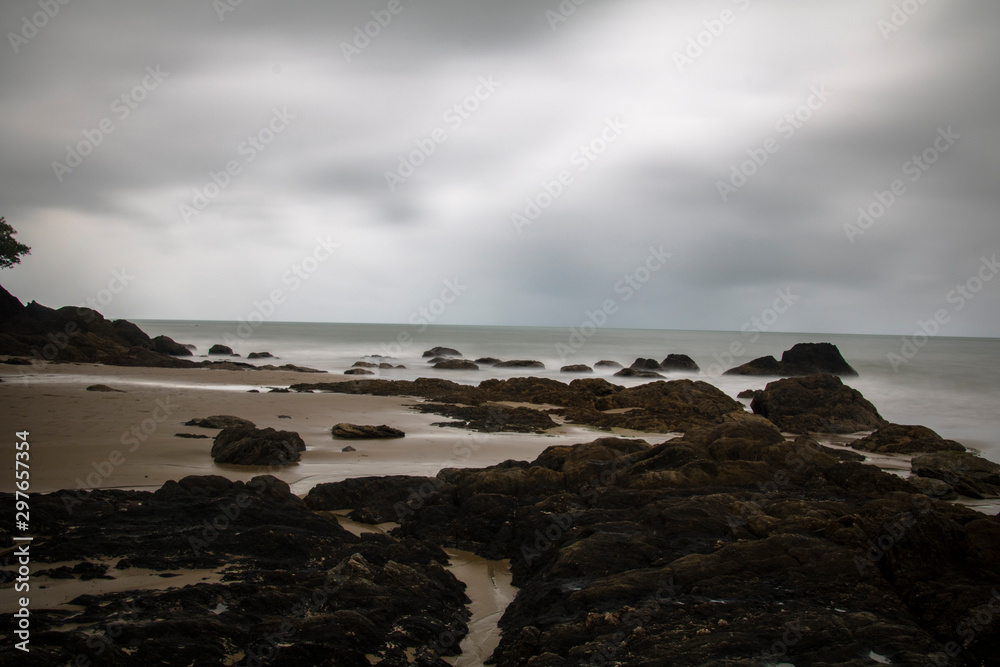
(634, 114)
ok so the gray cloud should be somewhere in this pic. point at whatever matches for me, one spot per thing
(656, 183)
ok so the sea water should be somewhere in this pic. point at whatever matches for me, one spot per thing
(951, 385)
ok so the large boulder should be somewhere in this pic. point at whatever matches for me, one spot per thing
(576, 368)
(346, 431)
(250, 446)
(641, 364)
(801, 359)
(372, 499)
(904, 439)
(219, 348)
(816, 403)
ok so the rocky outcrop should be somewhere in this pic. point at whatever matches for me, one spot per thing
(679, 362)
(816, 403)
(641, 364)
(801, 359)
(487, 361)
(456, 365)
(250, 446)
(373, 499)
(364, 364)
(219, 421)
(967, 474)
(218, 348)
(901, 439)
(104, 388)
(442, 352)
(298, 588)
(604, 363)
(520, 363)
(346, 431)
(358, 371)
(260, 355)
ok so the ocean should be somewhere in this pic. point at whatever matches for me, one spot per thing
(951, 385)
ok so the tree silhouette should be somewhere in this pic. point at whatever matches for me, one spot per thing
(10, 249)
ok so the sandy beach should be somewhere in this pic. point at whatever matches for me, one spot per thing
(85, 439)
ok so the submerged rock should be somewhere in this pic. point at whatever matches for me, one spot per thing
(637, 373)
(104, 388)
(219, 421)
(456, 365)
(576, 368)
(221, 349)
(442, 352)
(260, 355)
(520, 363)
(604, 363)
(491, 418)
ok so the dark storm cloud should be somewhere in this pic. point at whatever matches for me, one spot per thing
(394, 146)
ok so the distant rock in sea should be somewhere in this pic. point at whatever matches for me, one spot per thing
(456, 365)
(604, 363)
(679, 362)
(358, 371)
(520, 363)
(487, 361)
(260, 355)
(637, 373)
(801, 359)
(218, 348)
(167, 345)
(576, 368)
(442, 352)
(641, 364)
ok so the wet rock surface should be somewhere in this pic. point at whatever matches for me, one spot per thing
(491, 418)
(727, 546)
(965, 473)
(219, 421)
(296, 588)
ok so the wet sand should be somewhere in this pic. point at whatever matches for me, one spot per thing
(85, 439)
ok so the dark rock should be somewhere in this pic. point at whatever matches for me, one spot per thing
(801, 359)
(104, 388)
(356, 432)
(749, 393)
(491, 417)
(604, 363)
(816, 403)
(968, 474)
(219, 421)
(358, 371)
(221, 349)
(279, 390)
(576, 368)
(634, 373)
(387, 366)
(192, 436)
(487, 361)
(520, 363)
(348, 449)
(364, 364)
(641, 364)
(900, 439)
(935, 488)
(247, 445)
(17, 361)
(375, 497)
(167, 345)
(260, 355)
(679, 362)
(456, 365)
(284, 416)
(442, 352)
